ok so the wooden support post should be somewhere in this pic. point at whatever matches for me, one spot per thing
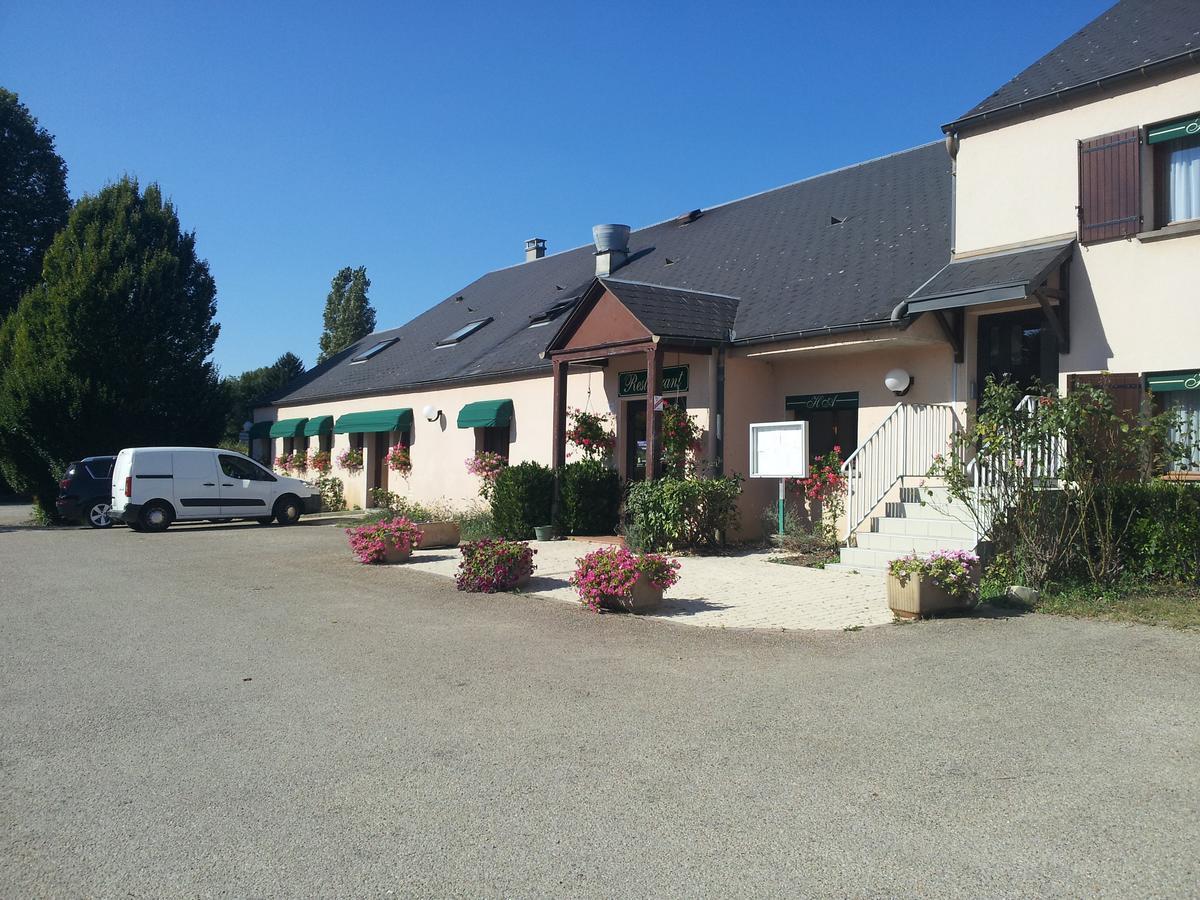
(654, 360)
(1064, 340)
(558, 455)
(953, 330)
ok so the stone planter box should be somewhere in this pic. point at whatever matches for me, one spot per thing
(918, 596)
(392, 553)
(436, 535)
(643, 598)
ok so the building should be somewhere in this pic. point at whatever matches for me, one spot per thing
(1053, 235)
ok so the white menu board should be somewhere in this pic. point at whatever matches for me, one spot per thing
(779, 450)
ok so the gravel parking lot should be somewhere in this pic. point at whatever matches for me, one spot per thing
(239, 710)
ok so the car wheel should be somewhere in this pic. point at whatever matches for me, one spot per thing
(99, 514)
(136, 526)
(265, 520)
(287, 510)
(155, 517)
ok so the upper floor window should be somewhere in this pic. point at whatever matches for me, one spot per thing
(373, 350)
(1176, 148)
(465, 332)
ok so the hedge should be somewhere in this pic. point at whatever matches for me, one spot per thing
(590, 498)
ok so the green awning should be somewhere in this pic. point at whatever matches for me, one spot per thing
(288, 428)
(486, 414)
(1173, 130)
(260, 430)
(374, 421)
(1176, 381)
(319, 425)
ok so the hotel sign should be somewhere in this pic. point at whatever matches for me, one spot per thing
(633, 384)
(843, 400)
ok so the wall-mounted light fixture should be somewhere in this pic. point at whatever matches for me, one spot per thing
(431, 413)
(898, 382)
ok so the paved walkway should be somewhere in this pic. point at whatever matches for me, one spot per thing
(741, 591)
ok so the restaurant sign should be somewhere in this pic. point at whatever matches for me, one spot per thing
(633, 384)
(843, 400)
(1177, 381)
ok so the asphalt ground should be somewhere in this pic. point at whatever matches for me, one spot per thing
(240, 710)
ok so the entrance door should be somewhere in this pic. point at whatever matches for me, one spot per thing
(1017, 347)
(635, 440)
(829, 428)
(379, 469)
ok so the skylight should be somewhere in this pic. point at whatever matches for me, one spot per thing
(463, 333)
(373, 350)
(546, 316)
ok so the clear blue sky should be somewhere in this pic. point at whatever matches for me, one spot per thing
(426, 141)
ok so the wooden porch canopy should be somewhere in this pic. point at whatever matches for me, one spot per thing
(1022, 274)
(615, 318)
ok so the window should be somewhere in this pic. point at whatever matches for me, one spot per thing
(373, 350)
(546, 316)
(1185, 405)
(325, 442)
(465, 332)
(1176, 147)
(100, 469)
(243, 469)
(493, 439)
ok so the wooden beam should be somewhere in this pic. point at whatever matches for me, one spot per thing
(654, 361)
(1048, 310)
(559, 427)
(598, 353)
(952, 330)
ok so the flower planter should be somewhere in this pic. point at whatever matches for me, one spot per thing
(643, 598)
(392, 553)
(918, 596)
(436, 535)
(545, 532)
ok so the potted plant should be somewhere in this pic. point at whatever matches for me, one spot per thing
(283, 462)
(492, 565)
(399, 460)
(299, 462)
(589, 432)
(616, 578)
(943, 580)
(385, 541)
(545, 532)
(486, 465)
(320, 462)
(351, 459)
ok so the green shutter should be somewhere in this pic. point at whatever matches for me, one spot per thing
(486, 414)
(1173, 130)
(375, 421)
(319, 425)
(1176, 381)
(288, 428)
(260, 430)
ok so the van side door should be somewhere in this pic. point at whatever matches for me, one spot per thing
(247, 490)
(197, 495)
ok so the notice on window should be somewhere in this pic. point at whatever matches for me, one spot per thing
(779, 450)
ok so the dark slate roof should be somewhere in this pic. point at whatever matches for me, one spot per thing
(776, 252)
(1121, 41)
(674, 312)
(991, 278)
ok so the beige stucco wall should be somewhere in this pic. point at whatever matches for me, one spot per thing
(1133, 303)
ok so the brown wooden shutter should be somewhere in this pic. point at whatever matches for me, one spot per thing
(1110, 186)
(1126, 390)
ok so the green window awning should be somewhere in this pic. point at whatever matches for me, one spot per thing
(375, 421)
(288, 428)
(486, 414)
(260, 430)
(1173, 130)
(319, 425)
(1174, 381)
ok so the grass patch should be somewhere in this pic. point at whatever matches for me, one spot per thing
(1175, 605)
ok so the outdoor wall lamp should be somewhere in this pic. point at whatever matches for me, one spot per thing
(898, 382)
(431, 413)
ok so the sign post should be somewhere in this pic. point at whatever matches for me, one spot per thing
(779, 450)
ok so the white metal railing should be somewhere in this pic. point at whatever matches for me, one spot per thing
(905, 443)
(1042, 461)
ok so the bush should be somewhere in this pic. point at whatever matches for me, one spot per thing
(1163, 538)
(522, 499)
(369, 541)
(606, 575)
(681, 513)
(489, 566)
(590, 498)
(333, 494)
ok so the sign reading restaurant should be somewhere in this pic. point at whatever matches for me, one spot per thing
(674, 381)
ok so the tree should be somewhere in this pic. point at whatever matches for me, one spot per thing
(33, 198)
(249, 389)
(112, 349)
(349, 315)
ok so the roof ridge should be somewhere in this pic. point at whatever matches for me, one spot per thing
(668, 287)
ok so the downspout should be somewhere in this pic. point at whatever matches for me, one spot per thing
(952, 149)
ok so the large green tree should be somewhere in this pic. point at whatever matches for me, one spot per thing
(112, 348)
(33, 198)
(348, 313)
(249, 389)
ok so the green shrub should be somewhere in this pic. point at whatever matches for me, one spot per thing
(522, 499)
(1163, 538)
(681, 513)
(590, 498)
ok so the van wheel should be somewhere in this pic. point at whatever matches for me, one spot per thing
(287, 510)
(99, 514)
(155, 517)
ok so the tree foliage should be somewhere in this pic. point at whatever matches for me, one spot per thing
(33, 198)
(244, 392)
(349, 315)
(112, 349)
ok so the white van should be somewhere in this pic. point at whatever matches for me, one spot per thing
(155, 486)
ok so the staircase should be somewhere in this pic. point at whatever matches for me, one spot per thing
(921, 521)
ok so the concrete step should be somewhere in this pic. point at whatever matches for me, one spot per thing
(955, 512)
(855, 570)
(863, 560)
(924, 527)
(902, 544)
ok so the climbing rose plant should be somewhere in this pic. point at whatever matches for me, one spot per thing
(824, 491)
(590, 433)
(486, 465)
(369, 542)
(680, 440)
(606, 575)
(492, 565)
(949, 569)
(399, 459)
(350, 459)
